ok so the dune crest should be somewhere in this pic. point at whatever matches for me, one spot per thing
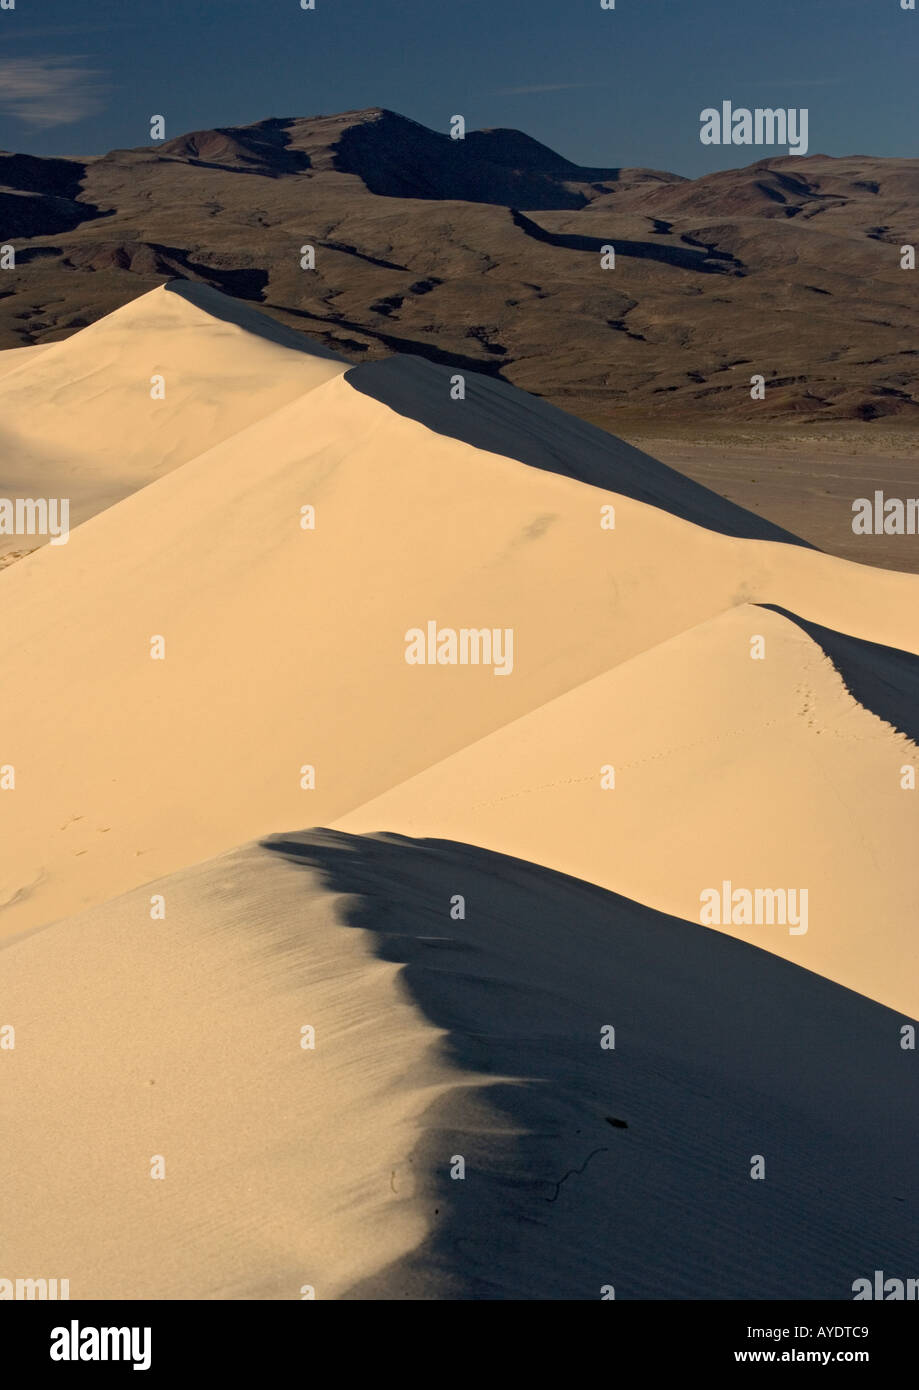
(142, 391)
(194, 668)
(476, 1038)
(288, 1169)
(692, 765)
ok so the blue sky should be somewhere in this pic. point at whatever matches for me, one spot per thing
(603, 87)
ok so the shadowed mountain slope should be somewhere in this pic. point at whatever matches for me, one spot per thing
(486, 252)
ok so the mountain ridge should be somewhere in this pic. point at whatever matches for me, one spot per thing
(487, 253)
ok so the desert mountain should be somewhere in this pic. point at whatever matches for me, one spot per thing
(485, 253)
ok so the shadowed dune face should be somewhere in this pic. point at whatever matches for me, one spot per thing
(459, 1129)
(882, 679)
(447, 530)
(491, 416)
(437, 1037)
(694, 764)
(587, 1166)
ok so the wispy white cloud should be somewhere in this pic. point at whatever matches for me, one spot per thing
(50, 91)
(545, 87)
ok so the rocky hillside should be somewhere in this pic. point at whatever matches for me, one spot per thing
(486, 253)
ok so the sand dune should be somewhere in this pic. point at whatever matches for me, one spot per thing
(11, 358)
(766, 773)
(435, 1038)
(219, 651)
(77, 418)
(883, 679)
(498, 418)
(285, 648)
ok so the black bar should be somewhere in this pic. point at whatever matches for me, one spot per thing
(272, 1339)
